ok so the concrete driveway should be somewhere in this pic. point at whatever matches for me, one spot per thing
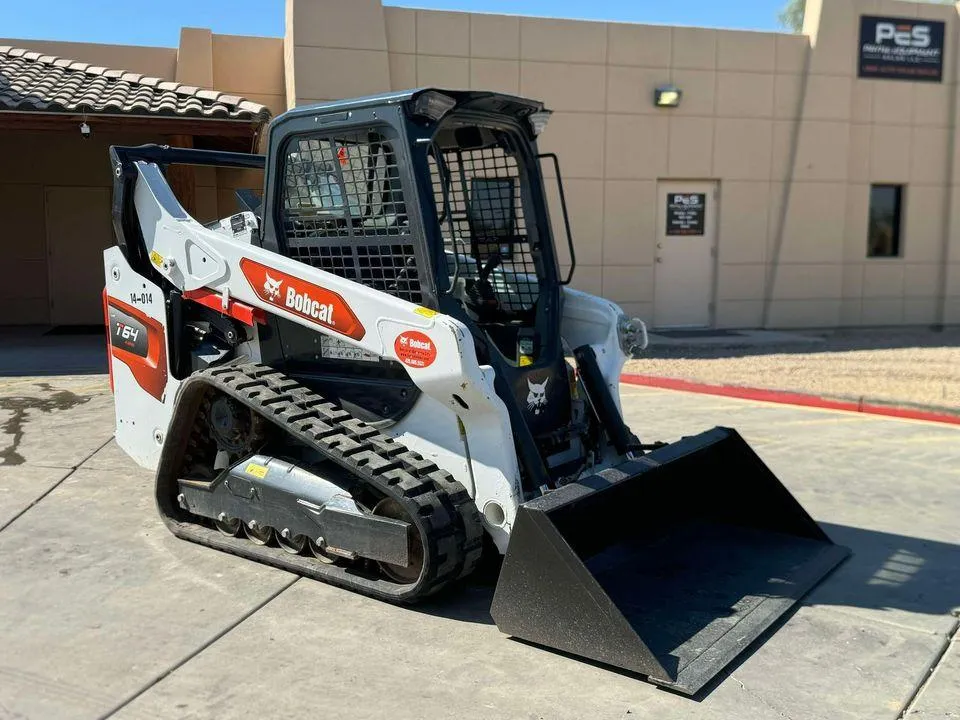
(103, 613)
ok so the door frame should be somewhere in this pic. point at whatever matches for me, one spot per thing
(713, 194)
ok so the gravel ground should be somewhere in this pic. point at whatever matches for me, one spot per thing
(900, 367)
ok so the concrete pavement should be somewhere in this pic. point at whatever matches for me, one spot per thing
(103, 613)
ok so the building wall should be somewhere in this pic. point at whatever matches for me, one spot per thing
(251, 67)
(57, 220)
(55, 187)
(850, 133)
(780, 120)
(56, 211)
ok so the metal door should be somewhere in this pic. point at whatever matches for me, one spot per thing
(686, 249)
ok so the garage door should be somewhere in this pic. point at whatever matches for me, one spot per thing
(78, 230)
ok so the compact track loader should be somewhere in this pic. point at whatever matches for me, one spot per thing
(377, 367)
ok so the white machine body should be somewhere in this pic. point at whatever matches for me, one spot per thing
(459, 422)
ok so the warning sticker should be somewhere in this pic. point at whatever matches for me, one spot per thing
(336, 349)
(258, 471)
(415, 349)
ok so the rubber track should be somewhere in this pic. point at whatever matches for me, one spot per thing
(440, 507)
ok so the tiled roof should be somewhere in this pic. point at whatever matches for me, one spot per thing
(32, 81)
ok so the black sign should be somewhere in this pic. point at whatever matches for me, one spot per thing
(901, 49)
(128, 333)
(686, 213)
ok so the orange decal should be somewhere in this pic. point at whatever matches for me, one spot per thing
(138, 341)
(106, 322)
(237, 310)
(415, 349)
(319, 305)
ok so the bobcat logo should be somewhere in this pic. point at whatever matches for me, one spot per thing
(272, 288)
(537, 397)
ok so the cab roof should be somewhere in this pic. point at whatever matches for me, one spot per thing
(481, 100)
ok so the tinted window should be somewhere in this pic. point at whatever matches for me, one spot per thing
(883, 236)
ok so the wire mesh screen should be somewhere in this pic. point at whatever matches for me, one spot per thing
(479, 202)
(344, 211)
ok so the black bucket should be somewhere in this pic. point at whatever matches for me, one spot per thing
(668, 566)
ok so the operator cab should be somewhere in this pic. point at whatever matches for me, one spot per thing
(435, 197)
(495, 263)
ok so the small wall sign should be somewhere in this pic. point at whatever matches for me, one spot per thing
(901, 49)
(686, 213)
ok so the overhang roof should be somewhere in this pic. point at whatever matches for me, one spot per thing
(34, 82)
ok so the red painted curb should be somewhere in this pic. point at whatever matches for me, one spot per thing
(784, 397)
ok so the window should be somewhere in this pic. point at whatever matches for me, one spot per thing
(346, 186)
(883, 235)
(480, 185)
(343, 211)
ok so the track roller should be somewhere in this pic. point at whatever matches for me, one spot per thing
(258, 534)
(321, 554)
(227, 525)
(293, 544)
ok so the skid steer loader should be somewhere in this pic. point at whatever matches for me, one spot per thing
(376, 368)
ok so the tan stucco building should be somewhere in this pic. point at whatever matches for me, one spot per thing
(825, 190)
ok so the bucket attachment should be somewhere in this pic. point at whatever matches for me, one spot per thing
(668, 566)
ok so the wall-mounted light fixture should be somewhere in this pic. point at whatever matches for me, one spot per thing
(667, 96)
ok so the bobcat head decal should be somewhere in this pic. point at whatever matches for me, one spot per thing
(272, 288)
(537, 397)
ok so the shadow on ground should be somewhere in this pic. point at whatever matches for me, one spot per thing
(892, 572)
(41, 351)
(904, 580)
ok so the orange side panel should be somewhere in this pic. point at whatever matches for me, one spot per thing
(139, 342)
(106, 327)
